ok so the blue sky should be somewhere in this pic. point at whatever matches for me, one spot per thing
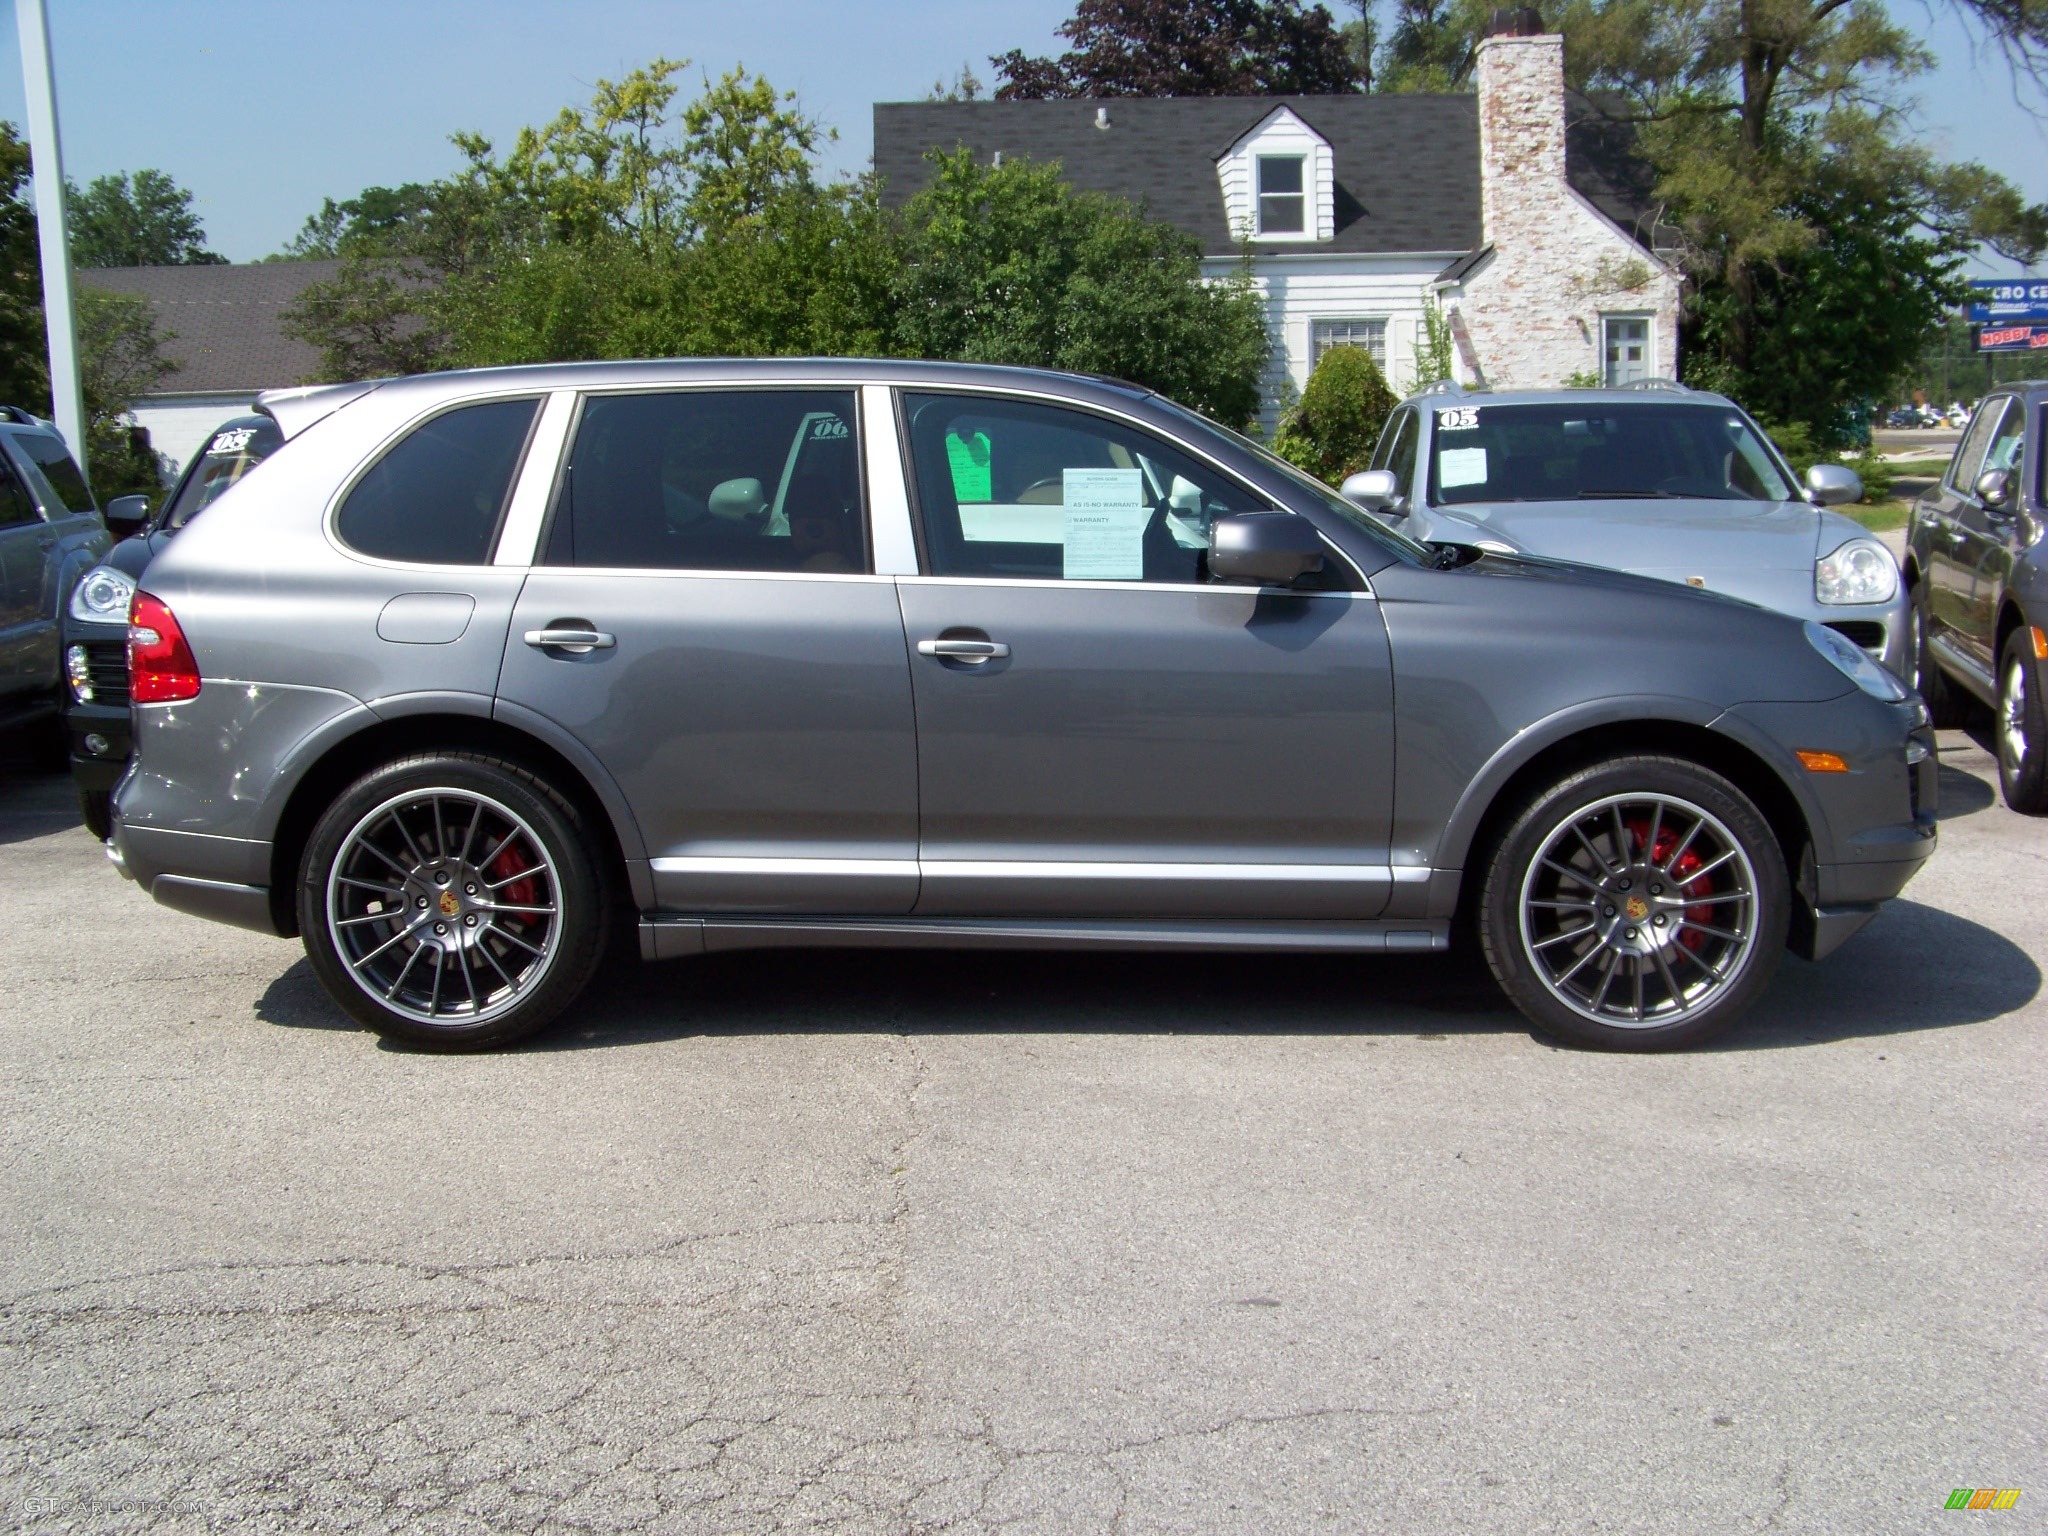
(264, 109)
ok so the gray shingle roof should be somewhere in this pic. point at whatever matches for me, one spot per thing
(226, 320)
(1407, 166)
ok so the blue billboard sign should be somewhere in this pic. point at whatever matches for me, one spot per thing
(2008, 298)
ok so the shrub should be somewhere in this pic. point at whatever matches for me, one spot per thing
(1332, 432)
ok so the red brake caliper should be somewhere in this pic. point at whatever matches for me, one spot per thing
(1639, 832)
(520, 893)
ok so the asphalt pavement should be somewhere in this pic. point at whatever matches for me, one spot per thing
(942, 1243)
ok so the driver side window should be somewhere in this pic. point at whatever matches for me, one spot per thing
(1021, 490)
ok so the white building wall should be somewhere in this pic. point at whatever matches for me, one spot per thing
(179, 425)
(1301, 289)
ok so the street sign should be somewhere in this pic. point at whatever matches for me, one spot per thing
(2010, 338)
(2008, 299)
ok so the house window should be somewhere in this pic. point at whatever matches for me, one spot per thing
(1369, 334)
(1625, 344)
(1282, 206)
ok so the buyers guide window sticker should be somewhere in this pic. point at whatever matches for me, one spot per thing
(1460, 466)
(1457, 418)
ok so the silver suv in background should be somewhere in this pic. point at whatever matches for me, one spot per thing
(1657, 479)
(807, 652)
(51, 534)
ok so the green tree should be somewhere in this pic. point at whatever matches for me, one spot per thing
(376, 219)
(1009, 264)
(1171, 48)
(24, 363)
(1332, 431)
(121, 357)
(144, 220)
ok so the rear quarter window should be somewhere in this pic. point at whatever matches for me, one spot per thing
(58, 469)
(436, 498)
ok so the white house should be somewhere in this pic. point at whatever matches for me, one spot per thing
(1518, 210)
(226, 338)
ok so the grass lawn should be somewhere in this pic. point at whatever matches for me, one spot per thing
(1879, 516)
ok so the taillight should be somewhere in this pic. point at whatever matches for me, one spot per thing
(160, 665)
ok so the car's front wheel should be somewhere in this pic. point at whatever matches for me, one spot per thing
(2022, 727)
(452, 901)
(1638, 904)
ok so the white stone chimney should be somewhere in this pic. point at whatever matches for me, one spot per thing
(1521, 129)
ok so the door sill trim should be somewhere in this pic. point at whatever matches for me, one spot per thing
(1965, 669)
(667, 937)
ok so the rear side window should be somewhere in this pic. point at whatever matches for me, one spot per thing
(714, 480)
(15, 507)
(58, 469)
(234, 449)
(436, 498)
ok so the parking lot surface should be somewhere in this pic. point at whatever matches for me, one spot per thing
(1040, 1243)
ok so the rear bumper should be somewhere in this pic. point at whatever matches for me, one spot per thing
(223, 879)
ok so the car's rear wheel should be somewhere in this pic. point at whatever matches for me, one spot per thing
(1640, 904)
(1947, 708)
(2022, 727)
(452, 901)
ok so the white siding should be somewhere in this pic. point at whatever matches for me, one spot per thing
(1299, 292)
(1280, 134)
(179, 425)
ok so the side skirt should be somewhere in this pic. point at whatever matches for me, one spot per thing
(665, 937)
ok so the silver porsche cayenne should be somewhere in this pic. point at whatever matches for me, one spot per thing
(480, 669)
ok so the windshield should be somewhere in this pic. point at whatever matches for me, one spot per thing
(1357, 517)
(234, 449)
(1600, 451)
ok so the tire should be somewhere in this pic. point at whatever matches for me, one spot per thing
(1947, 708)
(2021, 727)
(1601, 946)
(96, 810)
(412, 866)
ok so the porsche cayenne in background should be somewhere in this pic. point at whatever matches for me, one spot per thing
(483, 666)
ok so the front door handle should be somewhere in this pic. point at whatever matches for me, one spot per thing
(576, 641)
(964, 650)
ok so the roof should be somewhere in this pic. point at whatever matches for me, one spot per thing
(1406, 166)
(226, 319)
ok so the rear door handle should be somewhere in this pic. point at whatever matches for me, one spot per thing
(964, 650)
(578, 642)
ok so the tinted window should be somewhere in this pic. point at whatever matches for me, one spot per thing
(435, 498)
(1599, 451)
(235, 449)
(15, 507)
(1013, 489)
(58, 469)
(1971, 454)
(2009, 443)
(714, 480)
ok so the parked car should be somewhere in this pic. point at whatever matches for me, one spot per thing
(1666, 482)
(797, 652)
(95, 620)
(50, 534)
(1977, 579)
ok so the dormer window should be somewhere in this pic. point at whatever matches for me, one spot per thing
(1282, 203)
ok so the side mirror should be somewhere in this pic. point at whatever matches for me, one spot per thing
(126, 514)
(1994, 488)
(1376, 490)
(1833, 485)
(1267, 549)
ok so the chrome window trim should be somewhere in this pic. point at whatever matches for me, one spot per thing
(1059, 584)
(890, 533)
(519, 541)
(691, 571)
(1152, 429)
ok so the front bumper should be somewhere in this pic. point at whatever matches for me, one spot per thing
(1871, 827)
(100, 730)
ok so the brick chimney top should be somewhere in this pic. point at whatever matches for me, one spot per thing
(1516, 21)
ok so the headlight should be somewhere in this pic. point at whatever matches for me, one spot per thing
(1861, 571)
(1854, 663)
(103, 597)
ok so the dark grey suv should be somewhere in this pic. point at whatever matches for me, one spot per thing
(50, 535)
(859, 653)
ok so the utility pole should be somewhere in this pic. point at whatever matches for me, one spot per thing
(67, 396)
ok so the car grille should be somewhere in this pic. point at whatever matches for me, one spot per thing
(108, 662)
(1867, 633)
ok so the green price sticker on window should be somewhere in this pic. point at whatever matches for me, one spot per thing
(968, 457)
